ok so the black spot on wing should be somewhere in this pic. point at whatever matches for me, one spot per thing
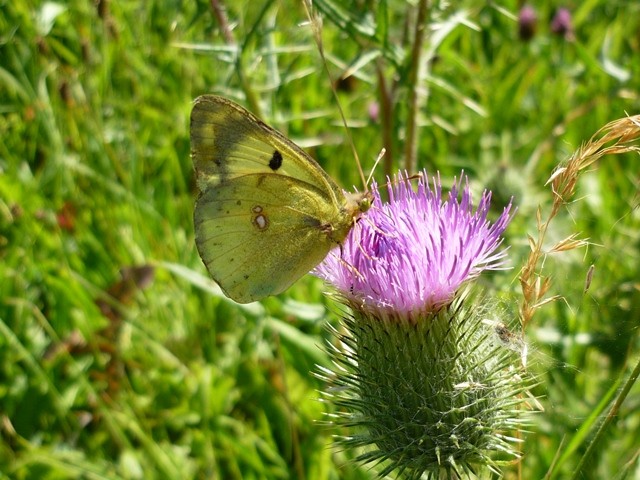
(276, 161)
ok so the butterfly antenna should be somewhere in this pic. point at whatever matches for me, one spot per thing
(316, 25)
(380, 155)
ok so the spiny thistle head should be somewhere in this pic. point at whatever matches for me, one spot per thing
(421, 379)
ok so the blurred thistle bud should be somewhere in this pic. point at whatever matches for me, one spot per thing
(419, 379)
(562, 24)
(527, 23)
(374, 111)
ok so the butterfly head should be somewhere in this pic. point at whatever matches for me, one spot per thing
(358, 203)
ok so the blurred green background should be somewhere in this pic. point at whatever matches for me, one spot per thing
(120, 359)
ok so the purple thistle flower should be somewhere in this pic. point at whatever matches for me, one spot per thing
(527, 20)
(453, 393)
(562, 25)
(410, 256)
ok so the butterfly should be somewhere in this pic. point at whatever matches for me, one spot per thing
(267, 213)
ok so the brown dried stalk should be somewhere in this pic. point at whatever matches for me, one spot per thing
(618, 135)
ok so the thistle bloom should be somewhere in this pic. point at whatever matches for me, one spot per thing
(419, 381)
(527, 20)
(411, 255)
(562, 24)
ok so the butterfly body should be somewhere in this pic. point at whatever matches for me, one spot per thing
(267, 213)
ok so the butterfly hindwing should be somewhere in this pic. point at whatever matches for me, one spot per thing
(257, 234)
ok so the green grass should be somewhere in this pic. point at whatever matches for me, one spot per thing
(160, 376)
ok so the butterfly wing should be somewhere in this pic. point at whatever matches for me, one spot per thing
(257, 234)
(267, 212)
(228, 141)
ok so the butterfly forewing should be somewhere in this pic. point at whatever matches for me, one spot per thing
(228, 141)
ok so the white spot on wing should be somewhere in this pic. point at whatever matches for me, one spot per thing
(259, 219)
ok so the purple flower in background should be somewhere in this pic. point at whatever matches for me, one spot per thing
(374, 111)
(562, 24)
(410, 256)
(527, 20)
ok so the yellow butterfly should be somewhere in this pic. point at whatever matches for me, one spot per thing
(267, 212)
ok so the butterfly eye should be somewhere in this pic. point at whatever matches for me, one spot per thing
(365, 204)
